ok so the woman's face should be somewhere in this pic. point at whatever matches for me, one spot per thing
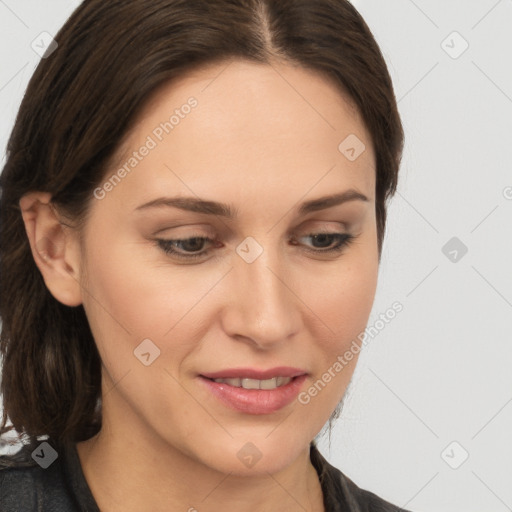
(253, 294)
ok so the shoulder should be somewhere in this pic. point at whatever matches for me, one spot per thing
(25, 486)
(366, 500)
(342, 494)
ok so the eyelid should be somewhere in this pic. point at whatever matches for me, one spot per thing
(341, 240)
(207, 230)
(193, 227)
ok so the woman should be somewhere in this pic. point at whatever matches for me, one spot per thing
(193, 211)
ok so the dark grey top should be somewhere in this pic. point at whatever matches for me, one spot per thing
(25, 486)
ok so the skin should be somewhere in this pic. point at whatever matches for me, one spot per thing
(263, 139)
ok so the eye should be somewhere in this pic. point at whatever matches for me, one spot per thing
(191, 247)
(194, 247)
(326, 241)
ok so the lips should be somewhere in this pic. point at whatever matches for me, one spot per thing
(251, 373)
(254, 391)
(273, 383)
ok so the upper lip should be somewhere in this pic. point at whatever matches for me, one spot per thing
(253, 373)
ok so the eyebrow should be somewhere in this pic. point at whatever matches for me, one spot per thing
(198, 205)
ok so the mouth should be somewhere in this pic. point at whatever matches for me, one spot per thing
(254, 391)
(273, 383)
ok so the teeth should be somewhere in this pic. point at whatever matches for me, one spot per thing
(281, 381)
(251, 384)
(237, 383)
(273, 383)
(268, 384)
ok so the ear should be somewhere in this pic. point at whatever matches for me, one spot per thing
(54, 247)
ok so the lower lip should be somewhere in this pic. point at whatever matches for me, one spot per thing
(256, 401)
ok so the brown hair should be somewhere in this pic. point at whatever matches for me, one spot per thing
(81, 102)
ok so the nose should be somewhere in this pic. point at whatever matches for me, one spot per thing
(262, 307)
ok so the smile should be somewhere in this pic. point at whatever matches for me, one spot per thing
(273, 383)
(257, 392)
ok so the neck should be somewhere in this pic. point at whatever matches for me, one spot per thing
(128, 469)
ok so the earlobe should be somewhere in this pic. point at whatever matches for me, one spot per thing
(53, 248)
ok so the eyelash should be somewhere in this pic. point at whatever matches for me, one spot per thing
(344, 240)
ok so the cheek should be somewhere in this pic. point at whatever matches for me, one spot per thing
(134, 291)
(133, 295)
(343, 298)
(343, 304)
(350, 304)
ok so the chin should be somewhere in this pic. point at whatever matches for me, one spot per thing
(253, 455)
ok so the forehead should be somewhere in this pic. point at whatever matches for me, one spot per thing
(246, 125)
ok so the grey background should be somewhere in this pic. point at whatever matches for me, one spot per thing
(440, 371)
